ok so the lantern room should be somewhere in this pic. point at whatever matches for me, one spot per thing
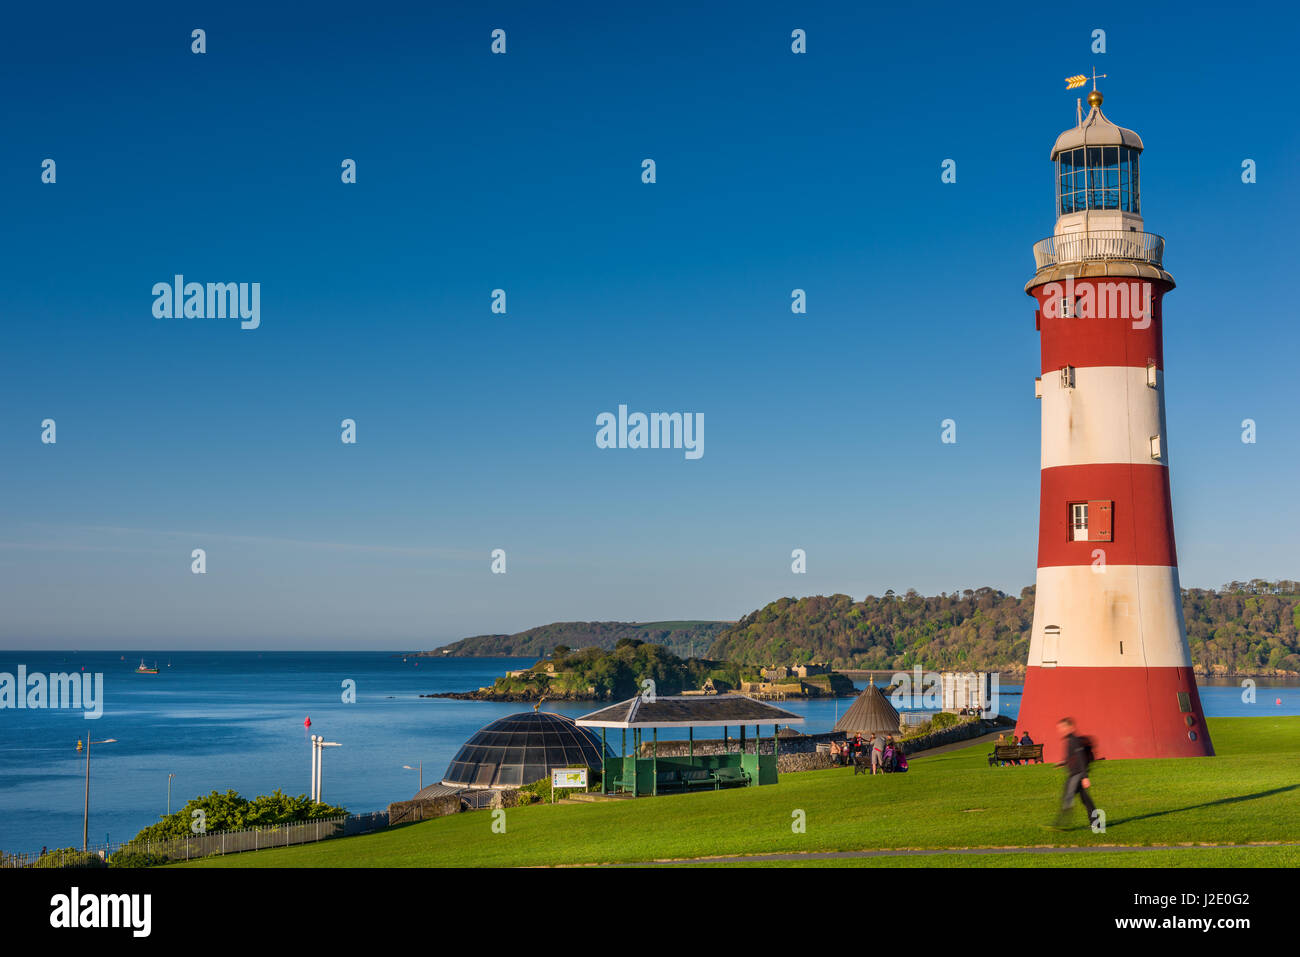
(1097, 179)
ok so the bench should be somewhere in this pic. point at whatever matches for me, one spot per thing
(668, 781)
(1015, 754)
(697, 778)
(731, 777)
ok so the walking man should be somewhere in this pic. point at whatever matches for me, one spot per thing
(1078, 755)
(877, 753)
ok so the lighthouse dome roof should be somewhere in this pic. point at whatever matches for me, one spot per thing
(1096, 130)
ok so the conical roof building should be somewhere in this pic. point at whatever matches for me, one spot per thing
(870, 713)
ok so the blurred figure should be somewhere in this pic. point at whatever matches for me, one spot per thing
(1078, 755)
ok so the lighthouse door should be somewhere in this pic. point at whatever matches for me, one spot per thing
(1051, 645)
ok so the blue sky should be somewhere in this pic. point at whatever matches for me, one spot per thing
(523, 172)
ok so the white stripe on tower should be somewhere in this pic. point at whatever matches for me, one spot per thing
(1109, 416)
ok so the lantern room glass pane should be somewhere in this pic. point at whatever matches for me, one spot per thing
(1097, 177)
(1133, 181)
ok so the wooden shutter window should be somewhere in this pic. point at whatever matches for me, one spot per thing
(1100, 523)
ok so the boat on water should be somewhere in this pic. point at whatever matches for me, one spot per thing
(145, 670)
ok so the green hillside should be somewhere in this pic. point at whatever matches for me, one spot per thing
(594, 673)
(1244, 628)
(686, 639)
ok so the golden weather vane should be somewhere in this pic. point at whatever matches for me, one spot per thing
(1094, 98)
(1079, 79)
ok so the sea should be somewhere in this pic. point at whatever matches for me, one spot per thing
(218, 721)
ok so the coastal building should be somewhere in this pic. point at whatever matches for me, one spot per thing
(1109, 645)
(961, 691)
(711, 686)
(773, 689)
(777, 672)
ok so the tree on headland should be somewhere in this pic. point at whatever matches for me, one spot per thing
(1246, 628)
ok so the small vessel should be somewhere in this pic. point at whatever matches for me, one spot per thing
(145, 670)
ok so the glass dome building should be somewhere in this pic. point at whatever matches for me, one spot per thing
(520, 749)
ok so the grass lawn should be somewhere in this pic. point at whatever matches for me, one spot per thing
(1249, 793)
(1263, 856)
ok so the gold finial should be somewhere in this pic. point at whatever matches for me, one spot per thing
(1079, 79)
(1094, 98)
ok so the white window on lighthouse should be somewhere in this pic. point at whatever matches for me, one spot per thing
(1079, 522)
(1067, 307)
(1051, 645)
(1092, 521)
(1067, 377)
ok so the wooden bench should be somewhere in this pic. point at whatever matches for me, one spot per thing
(731, 776)
(1015, 754)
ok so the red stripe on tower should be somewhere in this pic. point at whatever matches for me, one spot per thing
(1132, 500)
(1109, 645)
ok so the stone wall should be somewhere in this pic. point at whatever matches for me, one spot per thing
(959, 732)
(804, 744)
(407, 812)
(808, 743)
(504, 797)
(807, 761)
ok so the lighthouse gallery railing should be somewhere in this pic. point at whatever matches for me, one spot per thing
(1099, 244)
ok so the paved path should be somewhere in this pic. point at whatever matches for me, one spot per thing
(972, 851)
(958, 745)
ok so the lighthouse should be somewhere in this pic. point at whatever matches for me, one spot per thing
(1109, 645)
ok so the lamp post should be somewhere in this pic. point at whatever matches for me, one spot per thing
(85, 820)
(319, 744)
(420, 769)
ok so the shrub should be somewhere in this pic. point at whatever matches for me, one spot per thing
(945, 719)
(69, 857)
(230, 812)
(130, 856)
(540, 791)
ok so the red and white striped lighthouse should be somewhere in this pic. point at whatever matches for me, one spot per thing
(1109, 645)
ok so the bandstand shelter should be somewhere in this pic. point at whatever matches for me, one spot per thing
(639, 775)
